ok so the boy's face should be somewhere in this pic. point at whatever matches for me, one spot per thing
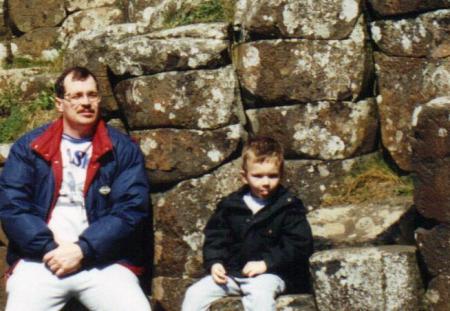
(263, 178)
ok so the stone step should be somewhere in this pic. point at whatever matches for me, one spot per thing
(303, 302)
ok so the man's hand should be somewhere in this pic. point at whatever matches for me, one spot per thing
(64, 259)
(219, 274)
(254, 268)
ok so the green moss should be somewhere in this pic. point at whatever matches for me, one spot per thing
(17, 116)
(369, 181)
(55, 65)
(206, 12)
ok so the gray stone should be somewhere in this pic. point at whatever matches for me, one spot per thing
(397, 7)
(168, 293)
(27, 15)
(39, 44)
(326, 130)
(404, 84)
(180, 215)
(434, 245)
(218, 31)
(376, 278)
(143, 55)
(77, 5)
(431, 159)
(200, 99)
(274, 71)
(323, 19)
(369, 223)
(437, 297)
(283, 303)
(173, 155)
(426, 35)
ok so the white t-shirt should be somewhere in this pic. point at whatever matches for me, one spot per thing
(68, 219)
(255, 204)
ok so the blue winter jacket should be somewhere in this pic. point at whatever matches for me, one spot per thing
(116, 197)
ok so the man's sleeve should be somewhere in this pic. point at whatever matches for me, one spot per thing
(296, 243)
(129, 196)
(26, 230)
(217, 239)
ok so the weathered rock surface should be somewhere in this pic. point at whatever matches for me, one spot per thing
(284, 303)
(96, 18)
(397, 7)
(27, 15)
(4, 30)
(322, 19)
(41, 43)
(218, 31)
(437, 297)
(4, 152)
(143, 55)
(77, 5)
(325, 130)
(168, 293)
(200, 99)
(27, 82)
(2, 285)
(370, 223)
(434, 246)
(274, 71)
(426, 35)
(172, 155)
(376, 278)
(180, 215)
(404, 84)
(431, 159)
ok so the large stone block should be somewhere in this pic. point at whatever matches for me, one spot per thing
(426, 35)
(173, 155)
(431, 159)
(217, 30)
(200, 99)
(274, 71)
(77, 5)
(398, 7)
(27, 15)
(96, 18)
(376, 278)
(434, 245)
(326, 130)
(143, 55)
(39, 44)
(168, 293)
(283, 303)
(404, 84)
(369, 223)
(437, 297)
(322, 19)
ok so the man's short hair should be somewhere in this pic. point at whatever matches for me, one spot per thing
(260, 149)
(78, 74)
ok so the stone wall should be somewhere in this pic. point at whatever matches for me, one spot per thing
(339, 83)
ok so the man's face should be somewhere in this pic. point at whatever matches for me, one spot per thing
(80, 105)
(263, 178)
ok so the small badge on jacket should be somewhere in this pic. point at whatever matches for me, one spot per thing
(104, 190)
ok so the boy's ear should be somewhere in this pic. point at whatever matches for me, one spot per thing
(59, 104)
(244, 177)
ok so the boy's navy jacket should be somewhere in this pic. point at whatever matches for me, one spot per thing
(116, 197)
(279, 234)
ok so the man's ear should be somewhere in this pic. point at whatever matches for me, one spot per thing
(59, 104)
(244, 177)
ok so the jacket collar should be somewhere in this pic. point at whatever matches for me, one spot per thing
(47, 144)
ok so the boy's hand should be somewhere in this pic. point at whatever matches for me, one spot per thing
(254, 268)
(219, 274)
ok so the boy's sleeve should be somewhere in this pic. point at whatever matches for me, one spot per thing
(296, 243)
(217, 239)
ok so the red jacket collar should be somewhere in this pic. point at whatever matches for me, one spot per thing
(47, 144)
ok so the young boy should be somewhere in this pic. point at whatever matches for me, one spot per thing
(258, 241)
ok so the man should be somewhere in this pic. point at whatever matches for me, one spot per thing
(74, 205)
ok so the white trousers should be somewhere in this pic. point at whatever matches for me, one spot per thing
(33, 287)
(258, 293)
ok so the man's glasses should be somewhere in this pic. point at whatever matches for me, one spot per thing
(79, 98)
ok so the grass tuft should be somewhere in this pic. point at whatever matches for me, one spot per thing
(207, 12)
(371, 181)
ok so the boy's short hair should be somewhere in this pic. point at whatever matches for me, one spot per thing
(259, 149)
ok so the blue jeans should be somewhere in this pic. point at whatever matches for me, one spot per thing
(258, 293)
